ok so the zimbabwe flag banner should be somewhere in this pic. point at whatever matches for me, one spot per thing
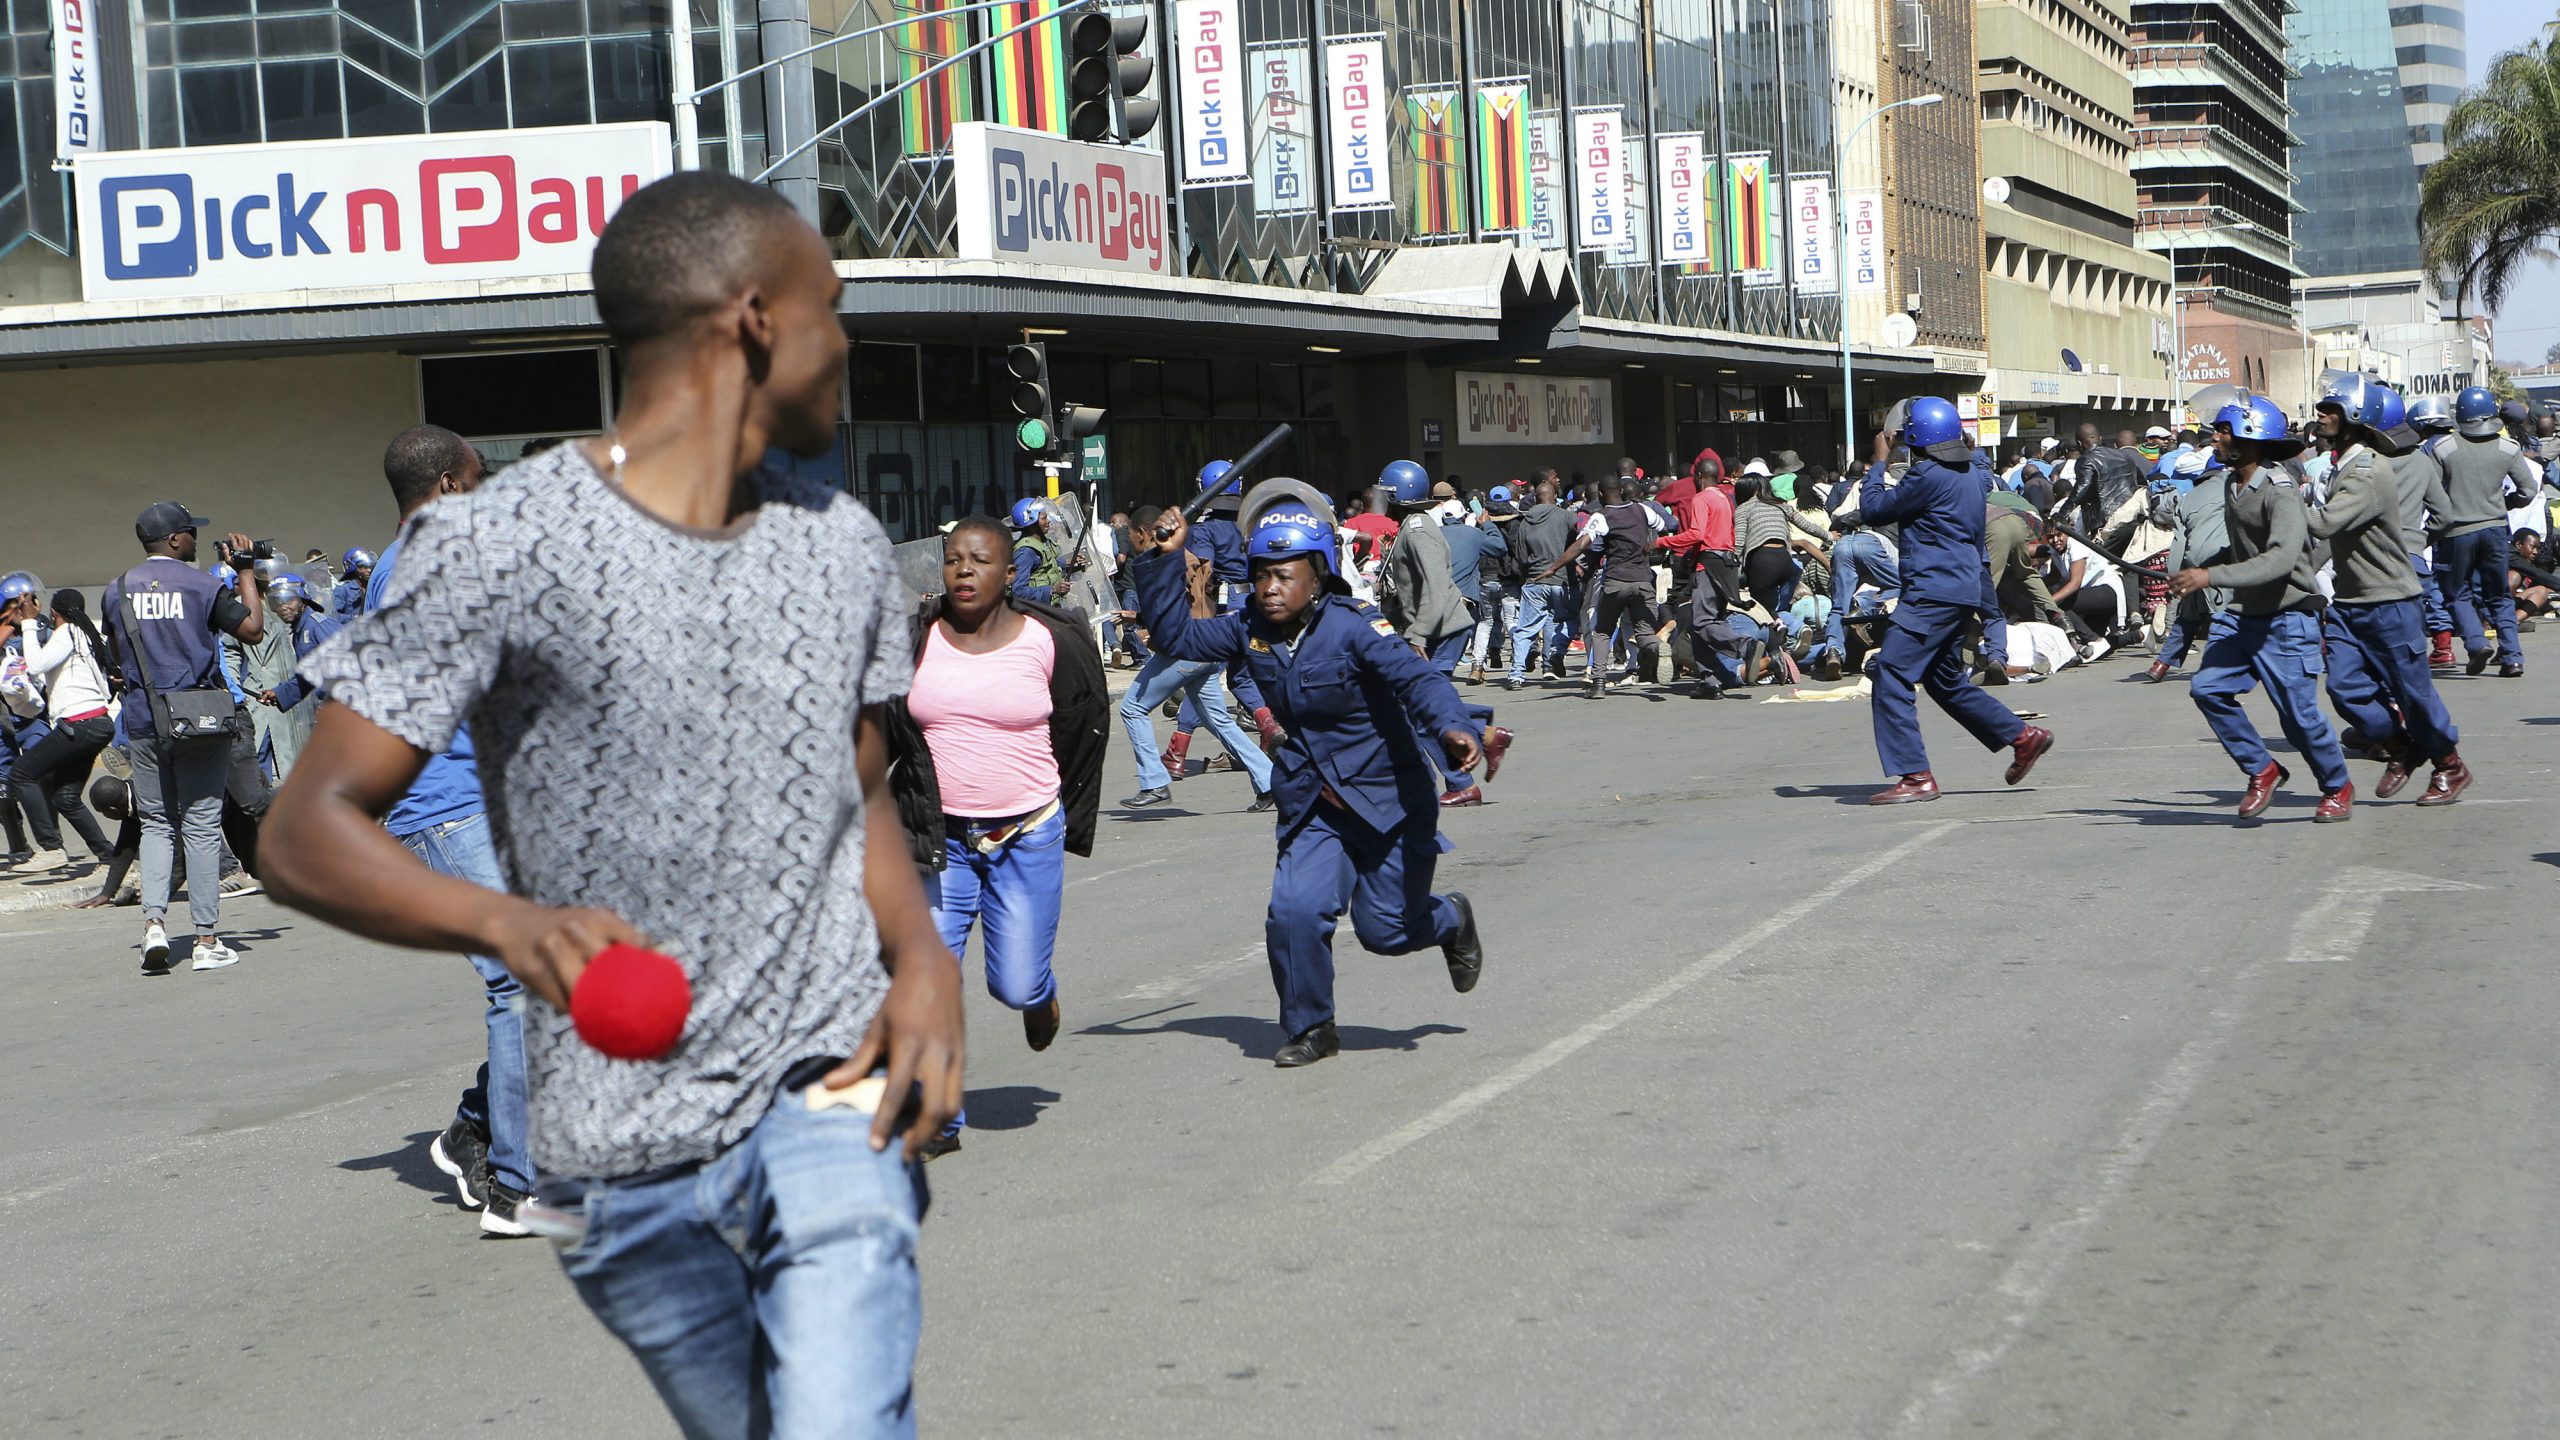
(1501, 146)
(1030, 70)
(927, 112)
(1751, 220)
(1439, 181)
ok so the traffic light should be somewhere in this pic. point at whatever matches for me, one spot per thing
(1107, 78)
(1076, 422)
(1037, 427)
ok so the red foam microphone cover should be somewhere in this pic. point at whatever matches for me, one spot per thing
(631, 1003)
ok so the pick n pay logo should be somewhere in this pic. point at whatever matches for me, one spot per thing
(151, 226)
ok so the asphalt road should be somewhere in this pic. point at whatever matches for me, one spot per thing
(2073, 1110)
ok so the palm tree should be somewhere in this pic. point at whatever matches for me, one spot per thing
(2493, 202)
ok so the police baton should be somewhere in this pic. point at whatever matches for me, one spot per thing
(1199, 506)
(2109, 556)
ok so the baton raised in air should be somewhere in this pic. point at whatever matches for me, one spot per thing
(1200, 503)
(2110, 557)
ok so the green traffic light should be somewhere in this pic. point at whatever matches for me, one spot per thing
(1032, 434)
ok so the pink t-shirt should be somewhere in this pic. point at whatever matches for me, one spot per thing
(986, 720)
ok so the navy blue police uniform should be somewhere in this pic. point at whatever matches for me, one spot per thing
(1358, 814)
(1946, 582)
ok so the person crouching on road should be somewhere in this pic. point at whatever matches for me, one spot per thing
(1358, 818)
(995, 757)
(2271, 633)
(1946, 583)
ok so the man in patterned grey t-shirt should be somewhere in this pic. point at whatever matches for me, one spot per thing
(597, 615)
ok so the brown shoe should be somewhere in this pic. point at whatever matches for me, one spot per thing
(2262, 790)
(2157, 672)
(2452, 777)
(1909, 790)
(2395, 774)
(2030, 746)
(1497, 743)
(2335, 806)
(1040, 1024)
(1456, 799)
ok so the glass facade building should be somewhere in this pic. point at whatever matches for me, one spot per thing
(2359, 163)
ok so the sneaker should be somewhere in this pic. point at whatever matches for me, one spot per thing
(44, 862)
(498, 1216)
(155, 948)
(462, 1153)
(213, 955)
(241, 882)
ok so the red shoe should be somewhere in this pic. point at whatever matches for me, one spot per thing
(1176, 756)
(1497, 743)
(2442, 652)
(2335, 805)
(2158, 672)
(2030, 746)
(2262, 790)
(1472, 795)
(1909, 790)
(2452, 777)
(2395, 774)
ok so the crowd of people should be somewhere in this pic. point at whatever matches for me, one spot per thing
(488, 739)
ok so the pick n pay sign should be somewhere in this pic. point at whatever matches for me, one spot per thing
(252, 219)
(1025, 195)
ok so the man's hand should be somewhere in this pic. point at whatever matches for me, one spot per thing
(2189, 581)
(268, 699)
(1170, 532)
(918, 1035)
(549, 949)
(1461, 748)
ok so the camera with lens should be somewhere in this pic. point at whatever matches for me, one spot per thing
(263, 550)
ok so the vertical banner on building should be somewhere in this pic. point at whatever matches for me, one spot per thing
(1355, 113)
(1500, 142)
(1283, 149)
(1680, 171)
(1812, 235)
(928, 110)
(1865, 261)
(77, 127)
(1439, 193)
(1027, 75)
(1599, 177)
(1546, 179)
(1751, 219)
(1635, 237)
(1209, 56)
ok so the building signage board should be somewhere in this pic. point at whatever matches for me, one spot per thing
(1546, 179)
(1683, 171)
(1209, 46)
(1504, 409)
(1023, 195)
(1284, 170)
(78, 128)
(1812, 237)
(1866, 242)
(249, 219)
(1599, 177)
(1356, 99)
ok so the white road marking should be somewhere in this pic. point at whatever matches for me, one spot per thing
(1557, 1051)
(1122, 870)
(1183, 982)
(195, 1143)
(2333, 929)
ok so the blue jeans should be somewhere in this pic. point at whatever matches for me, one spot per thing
(2377, 657)
(1540, 624)
(1014, 896)
(1493, 616)
(771, 1291)
(1924, 646)
(1157, 680)
(494, 1105)
(2476, 563)
(1446, 652)
(2282, 652)
(1859, 558)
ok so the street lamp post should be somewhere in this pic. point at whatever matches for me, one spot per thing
(1840, 203)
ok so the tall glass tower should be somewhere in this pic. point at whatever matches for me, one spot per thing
(2376, 81)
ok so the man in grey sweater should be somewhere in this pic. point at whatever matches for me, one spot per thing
(2378, 674)
(2271, 633)
(2481, 469)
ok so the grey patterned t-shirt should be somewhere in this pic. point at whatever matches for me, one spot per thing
(666, 733)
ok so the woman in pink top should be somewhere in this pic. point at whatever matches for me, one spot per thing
(996, 762)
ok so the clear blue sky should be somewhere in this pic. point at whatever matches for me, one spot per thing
(2529, 323)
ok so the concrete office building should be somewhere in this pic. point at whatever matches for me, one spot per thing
(1933, 160)
(2214, 180)
(1488, 299)
(2376, 82)
(2079, 313)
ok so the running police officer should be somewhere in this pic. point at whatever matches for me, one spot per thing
(2271, 632)
(2421, 481)
(1946, 585)
(1037, 575)
(2482, 471)
(2378, 675)
(1358, 818)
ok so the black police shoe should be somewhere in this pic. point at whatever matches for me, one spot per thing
(1144, 798)
(1309, 1048)
(1465, 949)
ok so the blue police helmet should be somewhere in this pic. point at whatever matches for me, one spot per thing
(2262, 420)
(1281, 534)
(356, 559)
(1030, 513)
(2356, 398)
(229, 577)
(1217, 470)
(1931, 421)
(290, 586)
(2395, 410)
(1410, 482)
(2431, 415)
(2475, 412)
(19, 584)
